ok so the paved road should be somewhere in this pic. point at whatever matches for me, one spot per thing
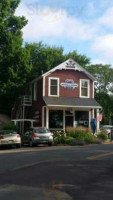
(57, 173)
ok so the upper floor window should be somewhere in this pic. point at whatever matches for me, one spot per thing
(84, 88)
(53, 86)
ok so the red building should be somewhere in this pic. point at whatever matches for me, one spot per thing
(62, 97)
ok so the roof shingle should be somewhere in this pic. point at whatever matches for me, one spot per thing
(74, 102)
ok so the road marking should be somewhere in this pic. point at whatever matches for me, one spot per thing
(99, 156)
(29, 165)
(35, 163)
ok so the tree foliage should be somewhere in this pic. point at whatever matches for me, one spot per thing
(44, 58)
(13, 57)
(103, 89)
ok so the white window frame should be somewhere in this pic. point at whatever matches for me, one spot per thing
(53, 78)
(88, 81)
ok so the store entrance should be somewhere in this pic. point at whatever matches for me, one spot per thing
(69, 115)
(69, 121)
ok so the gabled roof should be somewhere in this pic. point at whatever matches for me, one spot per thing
(69, 64)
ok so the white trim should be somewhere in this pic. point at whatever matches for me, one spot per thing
(53, 78)
(68, 106)
(21, 120)
(93, 113)
(98, 123)
(93, 89)
(43, 116)
(43, 86)
(90, 119)
(47, 117)
(64, 120)
(74, 118)
(88, 81)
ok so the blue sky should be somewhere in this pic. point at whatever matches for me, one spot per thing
(82, 25)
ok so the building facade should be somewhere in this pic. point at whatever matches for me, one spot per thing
(62, 97)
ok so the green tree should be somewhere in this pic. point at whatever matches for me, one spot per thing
(82, 60)
(14, 66)
(103, 89)
(104, 77)
(44, 58)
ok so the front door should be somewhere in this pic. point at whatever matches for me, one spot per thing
(69, 121)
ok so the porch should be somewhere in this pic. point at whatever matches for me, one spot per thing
(60, 112)
(60, 118)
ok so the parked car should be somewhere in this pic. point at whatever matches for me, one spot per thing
(9, 137)
(107, 128)
(36, 136)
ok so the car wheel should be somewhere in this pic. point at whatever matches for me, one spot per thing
(18, 145)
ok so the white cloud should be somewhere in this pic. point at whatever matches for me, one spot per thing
(104, 45)
(56, 24)
(107, 18)
(48, 22)
(98, 61)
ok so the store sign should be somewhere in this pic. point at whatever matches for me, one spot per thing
(69, 83)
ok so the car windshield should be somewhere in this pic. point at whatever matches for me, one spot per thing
(41, 130)
(7, 132)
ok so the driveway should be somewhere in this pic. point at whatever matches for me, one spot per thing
(57, 173)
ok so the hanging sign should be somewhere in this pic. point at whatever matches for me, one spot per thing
(69, 83)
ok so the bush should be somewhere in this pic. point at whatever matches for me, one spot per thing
(12, 127)
(68, 140)
(59, 140)
(59, 137)
(102, 135)
(81, 133)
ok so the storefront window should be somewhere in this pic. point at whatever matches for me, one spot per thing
(56, 119)
(82, 118)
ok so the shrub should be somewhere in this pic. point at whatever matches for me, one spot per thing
(68, 140)
(10, 127)
(81, 133)
(59, 140)
(58, 134)
(59, 137)
(102, 135)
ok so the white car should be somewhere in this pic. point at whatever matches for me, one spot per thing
(9, 137)
(107, 128)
